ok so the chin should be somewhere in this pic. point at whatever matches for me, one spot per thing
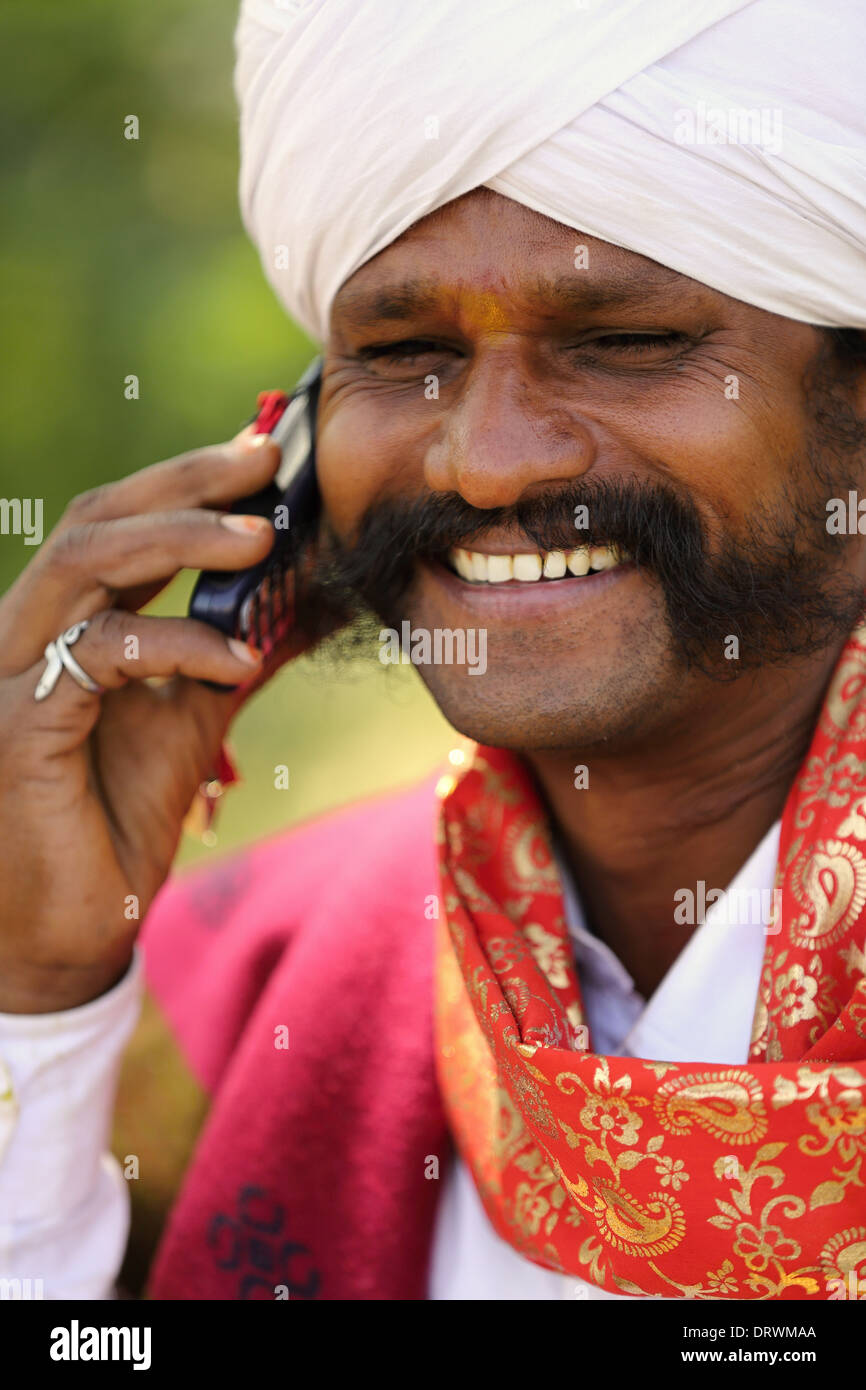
(524, 714)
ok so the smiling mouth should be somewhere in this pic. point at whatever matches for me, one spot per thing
(531, 567)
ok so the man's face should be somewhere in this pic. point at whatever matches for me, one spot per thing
(484, 379)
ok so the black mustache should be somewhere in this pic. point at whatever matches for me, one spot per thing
(651, 521)
(778, 586)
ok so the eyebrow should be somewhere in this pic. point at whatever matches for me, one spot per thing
(399, 302)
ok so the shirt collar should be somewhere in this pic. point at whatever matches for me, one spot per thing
(704, 1005)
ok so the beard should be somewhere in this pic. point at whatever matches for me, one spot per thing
(778, 585)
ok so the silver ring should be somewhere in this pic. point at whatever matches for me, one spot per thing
(59, 658)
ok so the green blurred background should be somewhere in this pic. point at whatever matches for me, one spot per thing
(123, 256)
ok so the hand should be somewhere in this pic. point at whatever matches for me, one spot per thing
(94, 788)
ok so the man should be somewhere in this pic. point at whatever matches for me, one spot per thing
(506, 1037)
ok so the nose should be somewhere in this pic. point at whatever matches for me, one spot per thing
(506, 436)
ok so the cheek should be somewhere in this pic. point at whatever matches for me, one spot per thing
(729, 446)
(351, 470)
(362, 456)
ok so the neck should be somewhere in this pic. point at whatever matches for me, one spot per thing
(688, 805)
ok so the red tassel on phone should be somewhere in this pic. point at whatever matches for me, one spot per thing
(271, 406)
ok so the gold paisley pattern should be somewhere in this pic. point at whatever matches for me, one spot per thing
(728, 1105)
(656, 1178)
(844, 1255)
(528, 861)
(653, 1229)
(844, 714)
(830, 879)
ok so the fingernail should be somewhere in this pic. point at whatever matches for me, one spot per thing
(250, 656)
(244, 523)
(248, 439)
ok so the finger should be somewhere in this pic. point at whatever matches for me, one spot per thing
(208, 477)
(84, 569)
(213, 476)
(119, 647)
(293, 641)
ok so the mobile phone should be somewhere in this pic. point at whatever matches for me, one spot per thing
(253, 604)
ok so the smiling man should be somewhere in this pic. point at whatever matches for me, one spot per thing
(588, 1018)
(678, 645)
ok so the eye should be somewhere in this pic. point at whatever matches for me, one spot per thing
(634, 343)
(404, 353)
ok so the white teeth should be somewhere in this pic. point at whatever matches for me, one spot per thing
(554, 565)
(530, 566)
(602, 557)
(462, 561)
(479, 566)
(527, 567)
(499, 569)
(578, 560)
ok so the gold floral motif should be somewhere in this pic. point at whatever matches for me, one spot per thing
(529, 1097)
(854, 825)
(822, 1082)
(802, 995)
(671, 1171)
(795, 992)
(614, 1116)
(722, 1280)
(550, 954)
(505, 952)
(833, 780)
(757, 1248)
(762, 1244)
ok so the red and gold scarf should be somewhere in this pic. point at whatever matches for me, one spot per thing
(682, 1180)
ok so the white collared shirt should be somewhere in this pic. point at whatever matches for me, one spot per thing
(64, 1203)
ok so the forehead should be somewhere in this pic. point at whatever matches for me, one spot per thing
(487, 248)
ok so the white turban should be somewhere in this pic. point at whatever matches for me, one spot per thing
(725, 139)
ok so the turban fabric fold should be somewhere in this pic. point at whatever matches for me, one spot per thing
(725, 139)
